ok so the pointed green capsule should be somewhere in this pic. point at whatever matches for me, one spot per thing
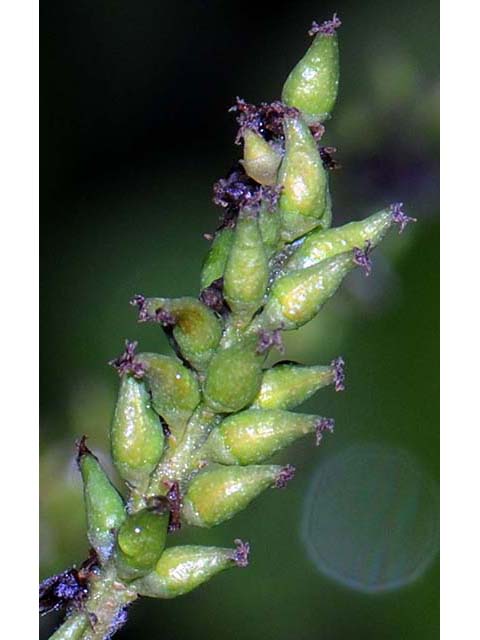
(233, 377)
(312, 85)
(140, 543)
(297, 297)
(183, 568)
(246, 272)
(174, 388)
(303, 201)
(219, 493)
(216, 259)
(320, 244)
(255, 435)
(286, 386)
(136, 434)
(260, 159)
(103, 504)
(195, 327)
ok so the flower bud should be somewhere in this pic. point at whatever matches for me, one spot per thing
(233, 377)
(195, 328)
(136, 434)
(255, 435)
(285, 386)
(216, 259)
(103, 504)
(297, 297)
(219, 493)
(140, 542)
(183, 568)
(312, 85)
(174, 389)
(320, 244)
(260, 159)
(246, 273)
(304, 180)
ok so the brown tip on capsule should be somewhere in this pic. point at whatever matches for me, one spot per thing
(285, 474)
(125, 363)
(338, 366)
(361, 257)
(324, 424)
(327, 28)
(241, 554)
(399, 216)
(82, 449)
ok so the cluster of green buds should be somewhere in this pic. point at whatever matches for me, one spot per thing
(192, 433)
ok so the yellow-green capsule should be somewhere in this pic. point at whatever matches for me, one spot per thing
(136, 434)
(260, 159)
(140, 543)
(196, 329)
(103, 504)
(233, 377)
(255, 435)
(174, 389)
(285, 386)
(269, 225)
(297, 297)
(303, 201)
(216, 259)
(183, 568)
(246, 273)
(312, 85)
(219, 493)
(320, 244)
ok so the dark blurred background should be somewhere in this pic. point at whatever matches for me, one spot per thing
(135, 129)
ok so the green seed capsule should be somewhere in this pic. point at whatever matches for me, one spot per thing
(312, 85)
(320, 245)
(195, 327)
(183, 568)
(255, 435)
(140, 543)
(174, 389)
(285, 386)
(269, 225)
(219, 493)
(297, 297)
(304, 180)
(260, 159)
(233, 377)
(103, 504)
(246, 272)
(136, 434)
(216, 259)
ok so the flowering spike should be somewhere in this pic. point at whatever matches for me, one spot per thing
(324, 424)
(284, 476)
(241, 553)
(400, 217)
(361, 257)
(126, 362)
(327, 28)
(338, 366)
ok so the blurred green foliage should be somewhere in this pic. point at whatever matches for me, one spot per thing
(126, 199)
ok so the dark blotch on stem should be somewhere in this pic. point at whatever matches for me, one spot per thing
(268, 339)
